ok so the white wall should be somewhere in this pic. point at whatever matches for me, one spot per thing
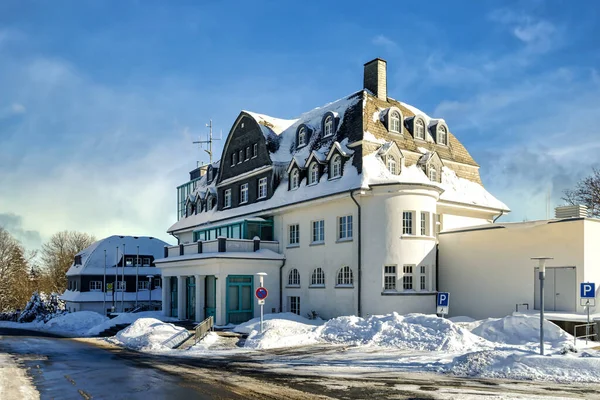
(591, 272)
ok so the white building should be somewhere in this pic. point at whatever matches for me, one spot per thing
(126, 260)
(347, 200)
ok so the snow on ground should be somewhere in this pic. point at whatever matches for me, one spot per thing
(78, 323)
(14, 382)
(147, 334)
(128, 318)
(520, 329)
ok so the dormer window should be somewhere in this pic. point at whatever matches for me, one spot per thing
(210, 203)
(209, 174)
(442, 135)
(395, 122)
(336, 167)
(432, 174)
(391, 165)
(328, 126)
(240, 156)
(233, 159)
(227, 199)
(295, 179)
(302, 137)
(313, 173)
(420, 129)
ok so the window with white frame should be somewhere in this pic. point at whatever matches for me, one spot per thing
(143, 285)
(344, 277)
(254, 150)
(294, 304)
(244, 193)
(157, 282)
(336, 166)
(345, 227)
(227, 199)
(294, 278)
(420, 129)
(395, 122)
(302, 137)
(432, 174)
(424, 223)
(391, 165)
(407, 223)
(443, 135)
(129, 261)
(313, 173)
(240, 156)
(407, 277)
(328, 126)
(234, 159)
(389, 277)
(121, 286)
(294, 234)
(95, 286)
(318, 231)
(295, 179)
(317, 278)
(423, 277)
(247, 153)
(262, 188)
(438, 223)
(145, 261)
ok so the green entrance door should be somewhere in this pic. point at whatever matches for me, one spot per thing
(240, 307)
(173, 296)
(190, 298)
(210, 301)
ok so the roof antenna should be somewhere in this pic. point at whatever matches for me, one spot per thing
(209, 141)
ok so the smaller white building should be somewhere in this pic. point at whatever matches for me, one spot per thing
(116, 274)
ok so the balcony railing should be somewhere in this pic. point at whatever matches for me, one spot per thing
(221, 245)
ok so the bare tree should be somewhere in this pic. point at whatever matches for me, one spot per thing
(57, 256)
(586, 192)
(15, 286)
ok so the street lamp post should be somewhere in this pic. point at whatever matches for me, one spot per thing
(542, 277)
(149, 291)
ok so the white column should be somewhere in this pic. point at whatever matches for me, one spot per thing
(166, 300)
(199, 297)
(181, 297)
(220, 304)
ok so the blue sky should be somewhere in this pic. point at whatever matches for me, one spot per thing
(100, 101)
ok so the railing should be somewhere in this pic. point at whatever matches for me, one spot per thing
(270, 245)
(239, 245)
(591, 325)
(203, 328)
(210, 246)
(221, 245)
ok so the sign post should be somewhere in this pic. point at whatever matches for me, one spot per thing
(587, 292)
(542, 276)
(443, 303)
(261, 295)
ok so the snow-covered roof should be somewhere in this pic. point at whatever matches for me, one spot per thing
(142, 295)
(93, 261)
(464, 191)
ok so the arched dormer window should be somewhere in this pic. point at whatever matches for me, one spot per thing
(295, 179)
(302, 137)
(391, 165)
(344, 277)
(313, 173)
(294, 278)
(336, 167)
(210, 203)
(442, 135)
(328, 126)
(420, 129)
(317, 278)
(395, 122)
(432, 174)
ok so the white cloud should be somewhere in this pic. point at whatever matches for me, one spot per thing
(384, 41)
(538, 35)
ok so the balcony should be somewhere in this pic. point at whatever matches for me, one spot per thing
(221, 245)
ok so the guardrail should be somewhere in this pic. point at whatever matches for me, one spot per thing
(587, 332)
(203, 328)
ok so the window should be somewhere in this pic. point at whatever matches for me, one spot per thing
(407, 223)
(294, 304)
(262, 188)
(233, 159)
(95, 286)
(318, 233)
(424, 223)
(420, 129)
(344, 277)
(336, 166)
(389, 277)
(143, 285)
(241, 156)
(209, 202)
(395, 122)
(432, 174)
(302, 137)
(121, 286)
(294, 237)
(77, 260)
(294, 278)
(247, 153)
(423, 270)
(391, 165)
(244, 193)
(157, 282)
(317, 278)
(146, 261)
(443, 135)
(438, 223)
(345, 227)
(129, 261)
(209, 174)
(295, 179)
(227, 199)
(313, 174)
(407, 278)
(328, 126)
(255, 150)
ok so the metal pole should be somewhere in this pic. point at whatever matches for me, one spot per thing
(150, 292)
(104, 287)
(542, 278)
(587, 327)
(261, 306)
(137, 273)
(116, 279)
(123, 279)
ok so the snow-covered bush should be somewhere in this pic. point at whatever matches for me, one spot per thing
(9, 316)
(42, 307)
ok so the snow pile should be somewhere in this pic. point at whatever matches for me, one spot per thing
(412, 331)
(464, 191)
(282, 333)
(254, 323)
(148, 334)
(127, 318)
(519, 330)
(76, 323)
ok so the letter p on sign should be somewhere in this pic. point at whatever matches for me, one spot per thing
(587, 290)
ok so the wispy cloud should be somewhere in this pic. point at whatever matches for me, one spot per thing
(384, 41)
(14, 225)
(538, 35)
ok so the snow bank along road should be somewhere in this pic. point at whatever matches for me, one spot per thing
(75, 369)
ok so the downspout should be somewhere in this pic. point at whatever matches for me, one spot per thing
(281, 286)
(359, 254)
(501, 214)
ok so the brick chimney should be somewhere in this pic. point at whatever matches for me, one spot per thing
(375, 79)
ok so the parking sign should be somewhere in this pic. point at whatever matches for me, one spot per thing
(443, 302)
(587, 290)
